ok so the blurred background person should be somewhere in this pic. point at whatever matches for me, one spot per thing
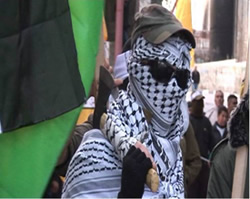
(219, 130)
(120, 69)
(203, 133)
(195, 78)
(213, 112)
(231, 103)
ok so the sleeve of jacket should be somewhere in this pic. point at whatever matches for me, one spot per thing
(192, 159)
(209, 127)
(221, 172)
(72, 145)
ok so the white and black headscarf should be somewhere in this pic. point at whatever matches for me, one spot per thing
(126, 122)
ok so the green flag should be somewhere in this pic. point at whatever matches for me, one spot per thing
(44, 62)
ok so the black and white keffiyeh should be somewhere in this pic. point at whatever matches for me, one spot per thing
(94, 170)
(126, 123)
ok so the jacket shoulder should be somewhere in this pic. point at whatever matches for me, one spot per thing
(218, 147)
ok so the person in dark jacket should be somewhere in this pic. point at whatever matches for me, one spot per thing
(195, 78)
(202, 128)
(219, 130)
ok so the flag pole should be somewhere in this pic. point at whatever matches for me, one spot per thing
(119, 27)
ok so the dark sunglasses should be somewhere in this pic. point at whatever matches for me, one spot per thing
(163, 72)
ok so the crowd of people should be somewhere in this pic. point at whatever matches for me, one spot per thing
(149, 124)
(210, 128)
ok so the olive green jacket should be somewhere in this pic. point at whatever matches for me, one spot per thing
(222, 170)
(191, 156)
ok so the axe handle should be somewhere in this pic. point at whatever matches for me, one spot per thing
(152, 179)
(106, 84)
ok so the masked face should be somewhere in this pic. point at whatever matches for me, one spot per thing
(160, 74)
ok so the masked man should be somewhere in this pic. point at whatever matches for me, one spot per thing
(147, 116)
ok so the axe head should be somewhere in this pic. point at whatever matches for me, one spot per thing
(106, 84)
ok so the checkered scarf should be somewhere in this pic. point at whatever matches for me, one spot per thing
(126, 122)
